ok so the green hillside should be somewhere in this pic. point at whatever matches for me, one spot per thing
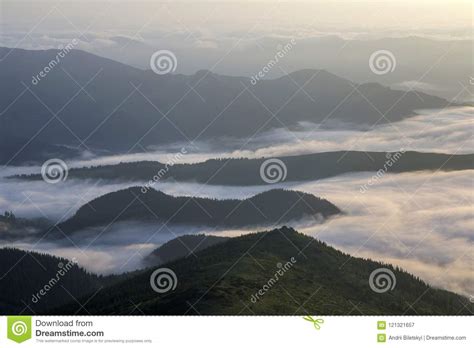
(221, 280)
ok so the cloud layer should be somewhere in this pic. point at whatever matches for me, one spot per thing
(423, 222)
(443, 131)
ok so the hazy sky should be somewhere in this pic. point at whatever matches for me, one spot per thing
(269, 16)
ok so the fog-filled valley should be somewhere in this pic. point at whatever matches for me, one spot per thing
(338, 146)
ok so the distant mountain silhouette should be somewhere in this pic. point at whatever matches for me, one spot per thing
(265, 209)
(180, 247)
(223, 280)
(347, 58)
(121, 108)
(243, 171)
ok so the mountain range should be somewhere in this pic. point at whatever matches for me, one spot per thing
(81, 105)
(96, 104)
(347, 58)
(220, 276)
(244, 171)
(223, 279)
(133, 204)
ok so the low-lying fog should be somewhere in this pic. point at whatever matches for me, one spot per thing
(421, 221)
(442, 131)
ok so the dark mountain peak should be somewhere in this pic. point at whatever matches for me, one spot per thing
(71, 55)
(187, 245)
(281, 192)
(182, 246)
(203, 73)
(283, 234)
(139, 204)
(288, 231)
(319, 84)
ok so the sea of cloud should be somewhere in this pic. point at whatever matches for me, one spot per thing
(421, 221)
(443, 131)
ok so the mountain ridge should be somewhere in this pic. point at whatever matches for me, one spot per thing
(180, 247)
(134, 204)
(120, 107)
(221, 279)
(246, 171)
